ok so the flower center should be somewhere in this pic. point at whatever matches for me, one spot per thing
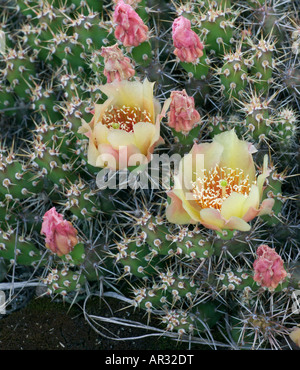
(218, 184)
(125, 118)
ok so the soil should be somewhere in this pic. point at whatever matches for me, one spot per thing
(47, 325)
(44, 324)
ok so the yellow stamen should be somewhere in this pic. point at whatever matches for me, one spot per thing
(217, 184)
(125, 118)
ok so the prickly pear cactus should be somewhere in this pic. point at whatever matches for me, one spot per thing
(105, 108)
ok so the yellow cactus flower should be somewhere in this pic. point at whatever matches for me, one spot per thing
(295, 335)
(217, 186)
(125, 129)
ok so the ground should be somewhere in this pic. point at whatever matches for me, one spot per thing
(47, 325)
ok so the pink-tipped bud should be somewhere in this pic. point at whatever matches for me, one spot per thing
(268, 267)
(133, 3)
(182, 114)
(61, 236)
(188, 47)
(130, 29)
(116, 65)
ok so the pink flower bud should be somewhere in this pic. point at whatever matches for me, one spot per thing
(182, 114)
(133, 3)
(61, 236)
(130, 29)
(268, 267)
(116, 65)
(186, 41)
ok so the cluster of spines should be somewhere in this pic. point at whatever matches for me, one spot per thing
(262, 63)
(19, 249)
(19, 70)
(80, 200)
(233, 75)
(53, 38)
(52, 34)
(260, 121)
(63, 281)
(17, 179)
(285, 130)
(154, 239)
(273, 190)
(157, 256)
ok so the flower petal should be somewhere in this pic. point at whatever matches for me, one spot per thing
(188, 206)
(93, 152)
(107, 157)
(266, 206)
(252, 201)
(262, 177)
(175, 212)
(295, 335)
(118, 138)
(264, 209)
(101, 133)
(130, 156)
(233, 206)
(189, 167)
(85, 128)
(236, 223)
(159, 117)
(192, 164)
(99, 110)
(212, 219)
(212, 154)
(143, 135)
(236, 153)
(132, 94)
